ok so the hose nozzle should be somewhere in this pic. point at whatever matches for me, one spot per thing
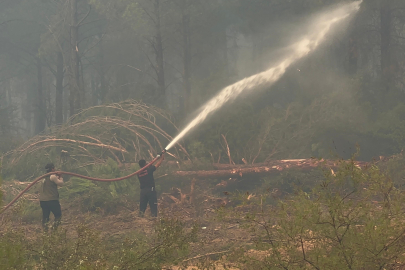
(162, 153)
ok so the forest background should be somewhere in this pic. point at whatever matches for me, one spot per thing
(61, 57)
(95, 85)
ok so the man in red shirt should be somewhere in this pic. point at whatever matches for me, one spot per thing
(148, 191)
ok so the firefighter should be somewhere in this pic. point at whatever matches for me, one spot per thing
(49, 197)
(147, 186)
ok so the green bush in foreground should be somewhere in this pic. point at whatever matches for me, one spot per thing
(353, 220)
(169, 245)
(12, 250)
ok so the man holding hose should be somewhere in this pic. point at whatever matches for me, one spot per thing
(148, 191)
(49, 197)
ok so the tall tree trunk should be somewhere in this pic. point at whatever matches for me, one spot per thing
(5, 105)
(28, 111)
(94, 94)
(66, 107)
(102, 90)
(59, 89)
(82, 94)
(159, 51)
(40, 110)
(9, 97)
(74, 81)
(103, 87)
(386, 58)
(186, 57)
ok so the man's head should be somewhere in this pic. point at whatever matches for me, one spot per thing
(142, 163)
(49, 167)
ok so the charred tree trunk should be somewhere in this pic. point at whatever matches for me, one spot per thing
(186, 57)
(385, 32)
(59, 89)
(74, 80)
(160, 73)
(40, 110)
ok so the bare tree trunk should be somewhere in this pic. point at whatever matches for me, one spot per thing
(59, 89)
(386, 24)
(5, 105)
(103, 89)
(74, 81)
(186, 57)
(159, 51)
(9, 97)
(82, 94)
(227, 171)
(94, 93)
(40, 110)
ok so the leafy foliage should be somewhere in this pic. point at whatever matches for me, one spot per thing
(352, 220)
(12, 250)
(90, 251)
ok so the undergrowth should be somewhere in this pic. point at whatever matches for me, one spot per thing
(168, 245)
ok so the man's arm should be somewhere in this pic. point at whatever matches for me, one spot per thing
(57, 179)
(160, 161)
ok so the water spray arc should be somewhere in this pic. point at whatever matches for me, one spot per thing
(298, 50)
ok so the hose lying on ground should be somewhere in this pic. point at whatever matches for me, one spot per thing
(77, 175)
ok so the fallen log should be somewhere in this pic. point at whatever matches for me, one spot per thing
(221, 166)
(276, 166)
(285, 162)
(293, 162)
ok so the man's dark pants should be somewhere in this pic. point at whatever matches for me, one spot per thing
(148, 195)
(47, 208)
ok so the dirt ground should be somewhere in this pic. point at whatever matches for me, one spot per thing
(218, 236)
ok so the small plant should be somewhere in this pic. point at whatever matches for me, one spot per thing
(170, 245)
(12, 250)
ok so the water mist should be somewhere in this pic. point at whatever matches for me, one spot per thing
(301, 48)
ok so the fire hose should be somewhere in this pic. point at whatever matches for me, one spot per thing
(81, 176)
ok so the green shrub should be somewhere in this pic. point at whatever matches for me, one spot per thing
(57, 251)
(12, 250)
(168, 245)
(352, 220)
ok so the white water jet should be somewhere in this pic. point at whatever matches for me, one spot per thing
(299, 50)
